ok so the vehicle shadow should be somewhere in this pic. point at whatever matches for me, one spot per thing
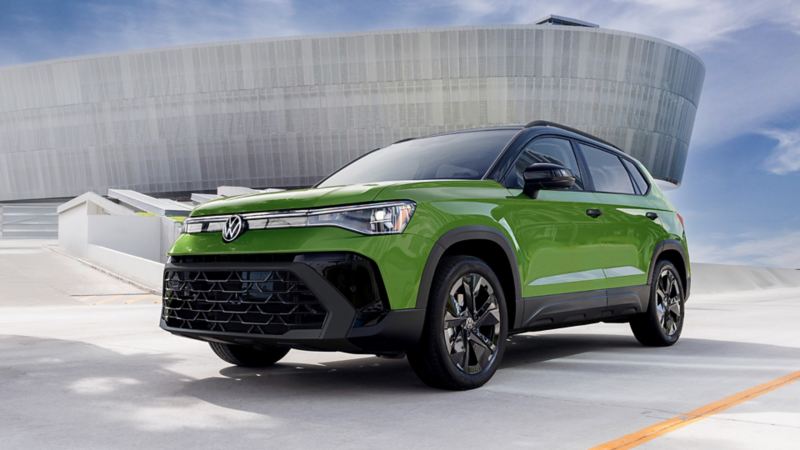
(532, 348)
(370, 373)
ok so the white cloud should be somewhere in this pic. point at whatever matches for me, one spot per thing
(786, 155)
(696, 24)
(775, 249)
(163, 23)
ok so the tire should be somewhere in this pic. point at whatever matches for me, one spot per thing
(450, 322)
(248, 355)
(662, 324)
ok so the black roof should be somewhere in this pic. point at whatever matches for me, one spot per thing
(535, 123)
(466, 130)
(545, 123)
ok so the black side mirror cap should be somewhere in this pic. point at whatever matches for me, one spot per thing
(543, 176)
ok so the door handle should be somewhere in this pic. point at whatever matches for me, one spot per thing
(651, 215)
(594, 213)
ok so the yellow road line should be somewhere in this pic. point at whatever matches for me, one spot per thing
(649, 433)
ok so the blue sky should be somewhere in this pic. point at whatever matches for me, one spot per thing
(740, 194)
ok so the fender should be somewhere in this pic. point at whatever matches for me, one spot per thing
(670, 244)
(469, 233)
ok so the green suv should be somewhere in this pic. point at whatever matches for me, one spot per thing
(439, 248)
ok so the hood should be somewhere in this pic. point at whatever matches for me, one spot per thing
(292, 199)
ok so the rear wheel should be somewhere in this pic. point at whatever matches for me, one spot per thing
(465, 326)
(662, 324)
(249, 355)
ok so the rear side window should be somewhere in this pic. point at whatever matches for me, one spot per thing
(638, 178)
(608, 173)
(545, 150)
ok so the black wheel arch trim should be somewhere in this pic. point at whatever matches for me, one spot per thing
(470, 233)
(660, 248)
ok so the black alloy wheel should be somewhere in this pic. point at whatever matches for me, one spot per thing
(662, 323)
(466, 326)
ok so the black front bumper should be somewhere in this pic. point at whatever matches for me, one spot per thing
(319, 301)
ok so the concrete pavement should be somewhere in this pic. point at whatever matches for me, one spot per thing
(84, 366)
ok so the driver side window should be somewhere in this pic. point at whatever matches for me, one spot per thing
(545, 150)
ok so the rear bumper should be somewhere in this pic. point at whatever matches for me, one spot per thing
(213, 311)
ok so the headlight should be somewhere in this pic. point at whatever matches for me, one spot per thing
(380, 218)
(200, 225)
(373, 218)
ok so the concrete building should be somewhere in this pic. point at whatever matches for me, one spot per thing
(284, 112)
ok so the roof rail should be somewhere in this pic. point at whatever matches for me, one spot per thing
(545, 123)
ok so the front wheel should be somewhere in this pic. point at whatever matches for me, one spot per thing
(465, 326)
(662, 324)
(249, 355)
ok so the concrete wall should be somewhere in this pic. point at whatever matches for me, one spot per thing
(139, 270)
(85, 223)
(135, 235)
(284, 112)
(73, 229)
(722, 278)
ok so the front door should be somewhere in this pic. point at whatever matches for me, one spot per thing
(557, 231)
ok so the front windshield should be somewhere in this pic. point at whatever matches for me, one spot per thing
(465, 156)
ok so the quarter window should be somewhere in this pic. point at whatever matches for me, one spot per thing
(638, 178)
(546, 150)
(608, 173)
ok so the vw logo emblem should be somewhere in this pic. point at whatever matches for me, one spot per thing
(233, 228)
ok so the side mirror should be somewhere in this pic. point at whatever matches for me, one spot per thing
(541, 176)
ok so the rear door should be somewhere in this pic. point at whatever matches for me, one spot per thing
(628, 229)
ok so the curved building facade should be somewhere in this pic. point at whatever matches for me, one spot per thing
(285, 112)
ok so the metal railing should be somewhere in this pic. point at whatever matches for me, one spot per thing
(28, 221)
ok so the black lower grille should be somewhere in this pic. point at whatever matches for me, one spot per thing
(266, 302)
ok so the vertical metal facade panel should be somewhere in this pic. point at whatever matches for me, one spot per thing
(285, 112)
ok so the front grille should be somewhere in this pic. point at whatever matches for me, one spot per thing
(268, 302)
